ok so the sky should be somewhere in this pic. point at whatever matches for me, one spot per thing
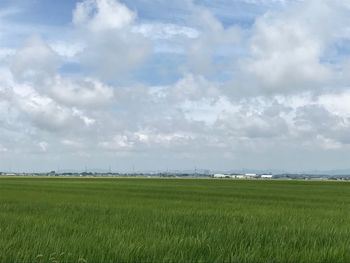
(153, 85)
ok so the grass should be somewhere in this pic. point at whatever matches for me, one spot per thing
(158, 220)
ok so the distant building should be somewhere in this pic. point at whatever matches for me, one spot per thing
(266, 176)
(251, 175)
(221, 176)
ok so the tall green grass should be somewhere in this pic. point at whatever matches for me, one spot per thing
(159, 220)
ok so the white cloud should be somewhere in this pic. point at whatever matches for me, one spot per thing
(338, 103)
(80, 114)
(99, 15)
(166, 31)
(43, 146)
(212, 40)
(72, 143)
(35, 61)
(290, 50)
(111, 48)
(83, 93)
(112, 56)
(44, 112)
(6, 52)
(150, 137)
(207, 111)
(328, 144)
(193, 87)
(67, 50)
(287, 93)
(286, 54)
(118, 143)
(3, 149)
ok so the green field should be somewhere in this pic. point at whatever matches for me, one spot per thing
(160, 220)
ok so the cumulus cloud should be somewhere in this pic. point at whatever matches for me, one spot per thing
(214, 43)
(286, 55)
(193, 87)
(47, 114)
(35, 61)
(289, 49)
(81, 92)
(253, 95)
(100, 15)
(113, 55)
(111, 47)
(29, 104)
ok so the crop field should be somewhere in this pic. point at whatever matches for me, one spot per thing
(173, 220)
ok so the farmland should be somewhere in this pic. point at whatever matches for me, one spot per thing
(173, 220)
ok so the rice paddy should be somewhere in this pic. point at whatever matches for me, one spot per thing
(173, 220)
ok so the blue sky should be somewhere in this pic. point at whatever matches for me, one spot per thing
(227, 84)
(228, 11)
(57, 13)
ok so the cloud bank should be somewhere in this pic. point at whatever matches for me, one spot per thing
(264, 86)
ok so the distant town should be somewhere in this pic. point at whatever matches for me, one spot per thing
(205, 174)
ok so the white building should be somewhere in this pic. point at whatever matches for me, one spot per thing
(266, 176)
(251, 175)
(221, 176)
